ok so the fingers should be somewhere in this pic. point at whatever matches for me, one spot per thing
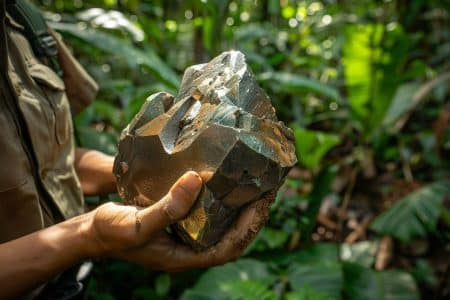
(173, 207)
(169, 255)
(252, 218)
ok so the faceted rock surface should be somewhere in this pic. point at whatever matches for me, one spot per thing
(221, 125)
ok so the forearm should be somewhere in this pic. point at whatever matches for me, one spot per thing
(33, 259)
(94, 169)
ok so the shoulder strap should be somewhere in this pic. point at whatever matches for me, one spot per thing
(3, 44)
(35, 27)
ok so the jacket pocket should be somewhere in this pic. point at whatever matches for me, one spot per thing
(54, 90)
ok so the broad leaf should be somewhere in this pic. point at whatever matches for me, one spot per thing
(327, 278)
(407, 97)
(295, 83)
(234, 290)
(218, 282)
(415, 215)
(318, 268)
(359, 59)
(318, 253)
(373, 58)
(401, 104)
(312, 145)
(248, 290)
(269, 238)
(308, 293)
(367, 284)
(114, 45)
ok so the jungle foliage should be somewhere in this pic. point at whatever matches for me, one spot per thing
(365, 87)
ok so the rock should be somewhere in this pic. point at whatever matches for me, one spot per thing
(221, 125)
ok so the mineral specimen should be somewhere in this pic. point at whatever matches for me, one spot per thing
(221, 125)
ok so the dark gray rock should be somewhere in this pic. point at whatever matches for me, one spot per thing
(221, 125)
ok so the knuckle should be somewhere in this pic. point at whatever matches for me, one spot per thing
(175, 207)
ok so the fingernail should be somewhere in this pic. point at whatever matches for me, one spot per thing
(191, 182)
(182, 196)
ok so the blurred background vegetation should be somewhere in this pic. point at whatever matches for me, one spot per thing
(365, 87)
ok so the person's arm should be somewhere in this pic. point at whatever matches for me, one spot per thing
(94, 169)
(108, 230)
(125, 232)
(33, 259)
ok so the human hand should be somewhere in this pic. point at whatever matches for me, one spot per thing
(115, 233)
(162, 252)
(116, 228)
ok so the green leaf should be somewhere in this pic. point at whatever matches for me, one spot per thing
(360, 54)
(367, 284)
(215, 283)
(374, 57)
(194, 295)
(93, 139)
(108, 112)
(401, 104)
(319, 268)
(312, 145)
(362, 253)
(308, 293)
(270, 238)
(132, 55)
(423, 273)
(294, 83)
(322, 252)
(326, 277)
(407, 97)
(162, 284)
(247, 290)
(415, 215)
(234, 290)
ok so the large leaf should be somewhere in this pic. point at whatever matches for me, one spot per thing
(294, 83)
(360, 54)
(132, 55)
(367, 284)
(401, 103)
(220, 282)
(318, 268)
(373, 57)
(248, 290)
(308, 293)
(312, 145)
(325, 277)
(415, 215)
(407, 97)
(234, 290)
(322, 252)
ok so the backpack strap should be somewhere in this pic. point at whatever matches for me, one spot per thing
(3, 43)
(35, 27)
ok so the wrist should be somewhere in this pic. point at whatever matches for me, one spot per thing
(91, 246)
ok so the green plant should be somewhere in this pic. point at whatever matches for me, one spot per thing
(363, 84)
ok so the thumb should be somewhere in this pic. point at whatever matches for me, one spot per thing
(172, 207)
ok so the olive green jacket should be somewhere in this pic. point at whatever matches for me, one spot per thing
(38, 183)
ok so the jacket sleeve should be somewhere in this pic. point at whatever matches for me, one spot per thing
(81, 88)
